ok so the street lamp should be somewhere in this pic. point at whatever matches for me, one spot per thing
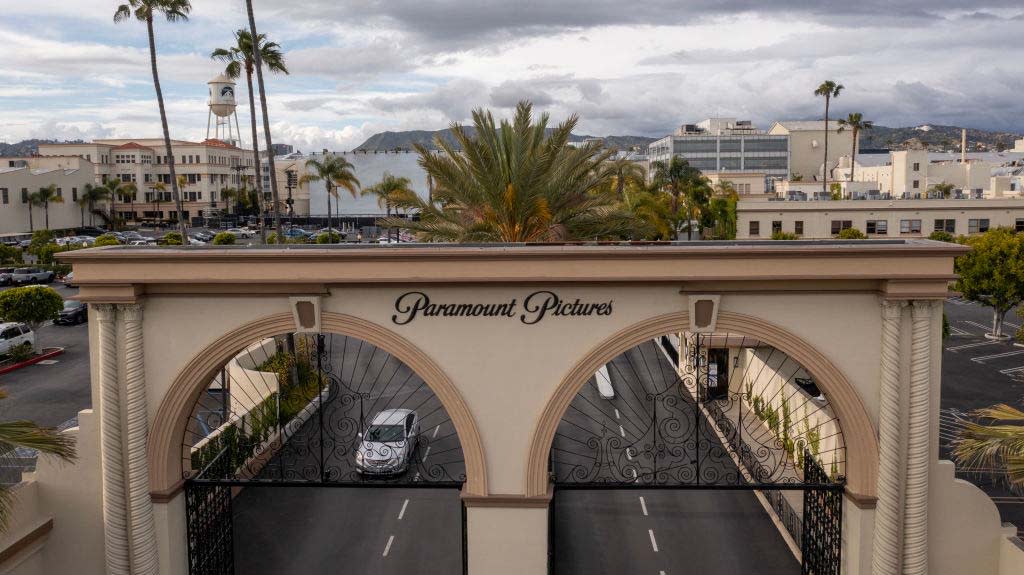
(292, 182)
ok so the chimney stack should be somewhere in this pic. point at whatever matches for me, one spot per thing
(963, 146)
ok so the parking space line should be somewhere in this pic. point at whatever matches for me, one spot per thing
(643, 505)
(953, 330)
(654, 544)
(387, 547)
(976, 324)
(969, 345)
(983, 358)
(402, 512)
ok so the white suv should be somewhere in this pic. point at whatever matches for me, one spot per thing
(14, 334)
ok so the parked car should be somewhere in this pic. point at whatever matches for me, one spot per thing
(241, 233)
(203, 236)
(74, 312)
(14, 334)
(138, 243)
(340, 233)
(296, 233)
(92, 232)
(388, 445)
(23, 276)
(69, 280)
(24, 244)
(5, 276)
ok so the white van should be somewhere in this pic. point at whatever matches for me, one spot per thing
(14, 334)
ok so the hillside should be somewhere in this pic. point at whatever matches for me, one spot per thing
(25, 148)
(406, 140)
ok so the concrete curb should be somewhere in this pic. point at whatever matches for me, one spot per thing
(47, 354)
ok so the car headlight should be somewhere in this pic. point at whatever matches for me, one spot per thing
(359, 457)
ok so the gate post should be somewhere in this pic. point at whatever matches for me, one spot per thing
(507, 534)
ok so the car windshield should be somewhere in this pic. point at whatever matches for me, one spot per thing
(71, 305)
(385, 433)
(21, 271)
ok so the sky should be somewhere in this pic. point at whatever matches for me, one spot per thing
(638, 68)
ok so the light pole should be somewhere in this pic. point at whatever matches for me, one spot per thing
(292, 180)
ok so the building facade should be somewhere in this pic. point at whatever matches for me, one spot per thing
(20, 177)
(910, 174)
(726, 145)
(758, 219)
(807, 146)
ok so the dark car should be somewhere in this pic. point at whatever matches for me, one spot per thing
(5, 276)
(74, 312)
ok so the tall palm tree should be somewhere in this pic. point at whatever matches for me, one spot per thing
(32, 200)
(992, 438)
(45, 440)
(92, 195)
(391, 191)
(516, 181)
(228, 195)
(334, 172)
(173, 11)
(241, 57)
(856, 122)
(115, 190)
(828, 90)
(258, 63)
(626, 172)
(688, 190)
(44, 197)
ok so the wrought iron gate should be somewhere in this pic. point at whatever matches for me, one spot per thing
(711, 412)
(310, 425)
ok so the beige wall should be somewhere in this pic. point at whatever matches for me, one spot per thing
(910, 172)
(69, 174)
(807, 149)
(817, 216)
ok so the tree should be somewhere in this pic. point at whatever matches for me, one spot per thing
(626, 172)
(941, 236)
(944, 189)
(44, 197)
(92, 195)
(241, 57)
(32, 305)
(851, 234)
(158, 191)
(106, 240)
(391, 191)
(145, 11)
(828, 90)
(688, 189)
(22, 433)
(856, 122)
(228, 195)
(224, 239)
(992, 438)
(334, 172)
(992, 273)
(115, 190)
(173, 239)
(516, 181)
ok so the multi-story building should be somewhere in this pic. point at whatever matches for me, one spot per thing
(910, 174)
(759, 219)
(289, 169)
(726, 145)
(807, 146)
(20, 177)
(207, 167)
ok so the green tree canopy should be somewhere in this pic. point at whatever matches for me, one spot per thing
(224, 239)
(687, 192)
(992, 273)
(33, 305)
(106, 240)
(851, 234)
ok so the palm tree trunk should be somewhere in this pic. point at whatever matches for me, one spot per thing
(853, 154)
(824, 167)
(255, 142)
(328, 214)
(46, 214)
(258, 61)
(113, 213)
(30, 228)
(167, 131)
(387, 208)
(81, 209)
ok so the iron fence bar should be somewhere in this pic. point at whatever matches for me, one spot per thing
(342, 484)
(320, 397)
(831, 487)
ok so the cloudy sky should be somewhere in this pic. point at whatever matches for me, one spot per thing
(359, 67)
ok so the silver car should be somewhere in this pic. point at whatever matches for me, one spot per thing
(388, 445)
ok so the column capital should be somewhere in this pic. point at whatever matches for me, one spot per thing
(105, 311)
(131, 311)
(892, 308)
(922, 308)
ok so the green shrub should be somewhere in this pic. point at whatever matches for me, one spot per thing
(32, 305)
(772, 418)
(784, 236)
(40, 238)
(941, 236)
(45, 253)
(851, 234)
(324, 238)
(172, 239)
(20, 353)
(9, 254)
(106, 240)
(224, 239)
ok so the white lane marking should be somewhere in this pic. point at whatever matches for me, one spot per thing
(622, 432)
(654, 544)
(388, 546)
(967, 345)
(617, 414)
(976, 324)
(402, 512)
(426, 454)
(1013, 325)
(953, 330)
(435, 431)
(983, 358)
(643, 506)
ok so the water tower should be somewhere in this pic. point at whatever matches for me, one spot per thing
(222, 109)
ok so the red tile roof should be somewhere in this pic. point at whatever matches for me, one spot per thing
(219, 144)
(132, 146)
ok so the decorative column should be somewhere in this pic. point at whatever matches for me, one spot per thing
(915, 511)
(115, 512)
(885, 558)
(140, 505)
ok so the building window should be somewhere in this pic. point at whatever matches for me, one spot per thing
(24, 195)
(978, 226)
(798, 227)
(917, 184)
(3, 192)
(840, 225)
(1018, 225)
(74, 194)
(755, 228)
(917, 166)
(776, 227)
(910, 226)
(879, 227)
(945, 226)
(60, 192)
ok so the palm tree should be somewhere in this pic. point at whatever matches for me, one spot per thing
(45, 440)
(158, 190)
(828, 90)
(517, 181)
(115, 190)
(945, 189)
(391, 191)
(856, 122)
(239, 57)
(626, 172)
(228, 194)
(257, 58)
(992, 438)
(688, 190)
(92, 195)
(173, 11)
(44, 197)
(334, 172)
